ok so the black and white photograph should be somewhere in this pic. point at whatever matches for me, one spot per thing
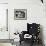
(20, 14)
(22, 22)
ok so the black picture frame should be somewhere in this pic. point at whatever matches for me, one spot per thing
(20, 14)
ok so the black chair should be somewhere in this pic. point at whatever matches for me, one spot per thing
(32, 29)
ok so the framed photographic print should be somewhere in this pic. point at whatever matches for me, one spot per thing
(20, 14)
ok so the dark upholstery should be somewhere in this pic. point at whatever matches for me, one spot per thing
(32, 29)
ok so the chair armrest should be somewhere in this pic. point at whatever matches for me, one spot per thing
(24, 32)
(22, 35)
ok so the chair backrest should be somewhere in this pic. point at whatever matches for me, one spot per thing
(33, 28)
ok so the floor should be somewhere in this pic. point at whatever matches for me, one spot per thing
(23, 44)
(26, 44)
(6, 44)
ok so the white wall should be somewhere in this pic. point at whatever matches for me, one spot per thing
(3, 21)
(35, 13)
(3, 34)
(3, 1)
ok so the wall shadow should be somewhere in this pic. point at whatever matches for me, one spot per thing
(41, 35)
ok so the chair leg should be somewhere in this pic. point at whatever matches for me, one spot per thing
(32, 42)
(20, 42)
